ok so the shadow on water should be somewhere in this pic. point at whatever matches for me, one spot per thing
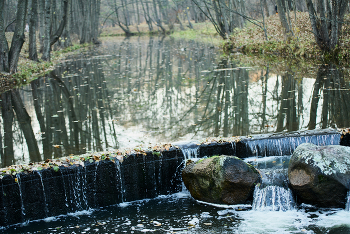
(146, 91)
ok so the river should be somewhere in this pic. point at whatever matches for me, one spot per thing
(139, 92)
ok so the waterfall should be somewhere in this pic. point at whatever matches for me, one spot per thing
(95, 181)
(44, 195)
(21, 195)
(272, 198)
(347, 207)
(65, 191)
(76, 188)
(270, 145)
(189, 149)
(118, 174)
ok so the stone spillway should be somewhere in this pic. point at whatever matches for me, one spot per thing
(60, 186)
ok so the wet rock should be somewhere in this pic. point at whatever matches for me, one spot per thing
(345, 137)
(320, 175)
(221, 179)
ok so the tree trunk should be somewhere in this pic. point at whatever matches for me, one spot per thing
(54, 37)
(267, 8)
(18, 36)
(326, 26)
(158, 21)
(95, 29)
(147, 16)
(67, 29)
(41, 24)
(33, 54)
(4, 49)
(282, 15)
(47, 26)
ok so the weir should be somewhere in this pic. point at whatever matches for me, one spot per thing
(92, 182)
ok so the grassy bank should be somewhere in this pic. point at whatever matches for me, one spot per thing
(251, 40)
(204, 32)
(29, 70)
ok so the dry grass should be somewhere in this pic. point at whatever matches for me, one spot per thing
(302, 44)
(252, 34)
(251, 39)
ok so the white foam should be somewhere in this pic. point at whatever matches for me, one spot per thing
(237, 207)
(194, 222)
(333, 218)
(81, 212)
(50, 219)
(124, 204)
(273, 222)
(147, 230)
(182, 194)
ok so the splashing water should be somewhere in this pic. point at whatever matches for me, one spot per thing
(280, 146)
(347, 207)
(273, 198)
(21, 195)
(189, 149)
(44, 194)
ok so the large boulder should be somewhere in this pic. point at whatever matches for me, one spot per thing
(320, 175)
(221, 180)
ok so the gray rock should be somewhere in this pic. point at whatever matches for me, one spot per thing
(221, 180)
(320, 175)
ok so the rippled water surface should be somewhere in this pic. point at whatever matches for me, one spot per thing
(143, 91)
(179, 213)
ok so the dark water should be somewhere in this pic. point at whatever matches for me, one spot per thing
(143, 91)
(181, 214)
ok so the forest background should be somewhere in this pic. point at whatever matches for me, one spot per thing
(35, 34)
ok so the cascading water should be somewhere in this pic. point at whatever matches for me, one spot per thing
(21, 196)
(272, 198)
(118, 175)
(65, 191)
(347, 207)
(285, 145)
(273, 193)
(95, 181)
(44, 194)
(189, 149)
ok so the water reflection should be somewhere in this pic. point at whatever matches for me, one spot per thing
(152, 90)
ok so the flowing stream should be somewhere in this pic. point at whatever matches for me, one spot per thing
(146, 91)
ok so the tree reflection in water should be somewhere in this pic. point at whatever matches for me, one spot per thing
(136, 91)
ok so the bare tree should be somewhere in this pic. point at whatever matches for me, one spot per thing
(46, 35)
(33, 54)
(9, 58)
(287, 31)
(327, 21)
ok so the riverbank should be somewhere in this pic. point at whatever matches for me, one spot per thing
(251, 40)
(28, 70)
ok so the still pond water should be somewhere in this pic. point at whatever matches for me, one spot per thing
(146, 91)
(136, 92)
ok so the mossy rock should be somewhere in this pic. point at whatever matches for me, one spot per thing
(221, 180)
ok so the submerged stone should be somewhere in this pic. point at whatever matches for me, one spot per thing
(221, 180)
(320, 175)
